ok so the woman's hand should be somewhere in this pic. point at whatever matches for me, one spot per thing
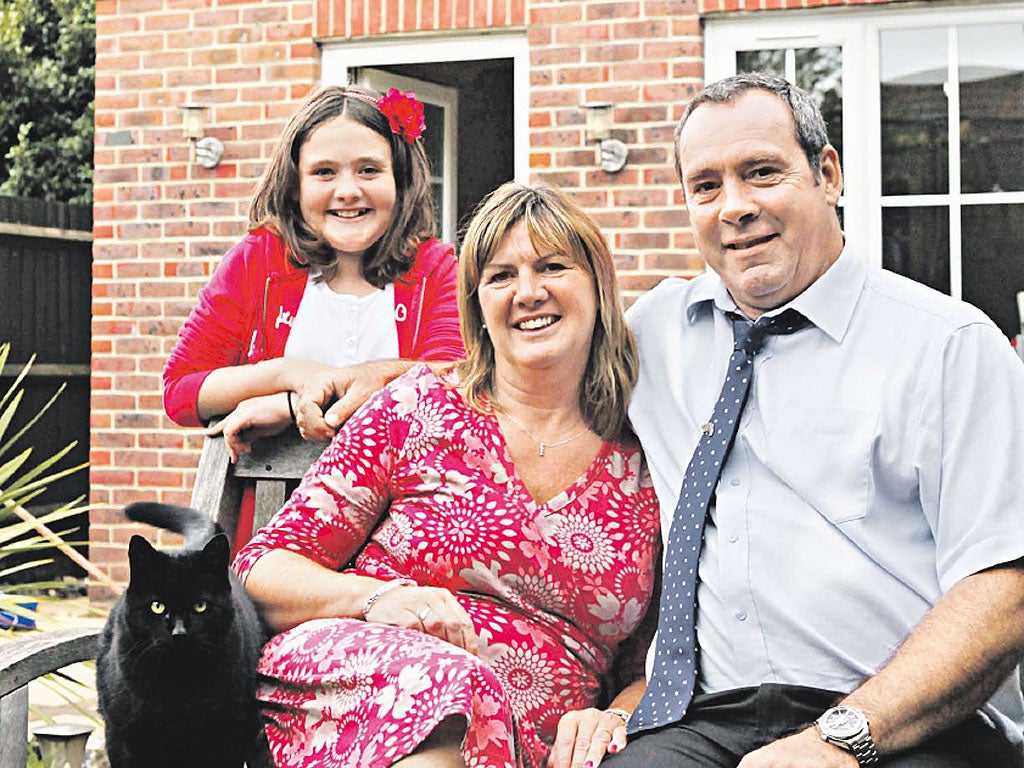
(585, 736)
(433, 610)
(253, 419)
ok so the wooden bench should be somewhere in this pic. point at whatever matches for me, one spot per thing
(274, 465)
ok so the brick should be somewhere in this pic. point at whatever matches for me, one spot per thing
(675, 262)
(160, 479)
(644, 240)
(565, 13)
(611, 11)
(668, 218)
(165, 21)
(543, 57)
(613, 52)
(576, 158)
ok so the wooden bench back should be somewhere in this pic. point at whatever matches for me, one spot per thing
(274, 465)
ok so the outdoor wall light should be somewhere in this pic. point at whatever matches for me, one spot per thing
(205, 150)
(599, 128)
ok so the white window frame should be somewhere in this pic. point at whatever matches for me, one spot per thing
(339, 57)
(447, 99)
(857, 31)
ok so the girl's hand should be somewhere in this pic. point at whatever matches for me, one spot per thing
(585, 736)
(255, 418)
(433, 610)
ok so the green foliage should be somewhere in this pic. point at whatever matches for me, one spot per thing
(19, 484)
(47, 70)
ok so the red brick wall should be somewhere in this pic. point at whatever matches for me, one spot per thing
(162, 223)
(644, 56)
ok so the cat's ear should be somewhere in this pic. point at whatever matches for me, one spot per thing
(140, 555)
(216, 554)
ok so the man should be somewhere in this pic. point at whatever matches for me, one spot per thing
(862, 544)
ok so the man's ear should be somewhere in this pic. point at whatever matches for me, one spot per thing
(831, 174)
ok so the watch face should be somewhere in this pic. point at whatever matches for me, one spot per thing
(842, 722)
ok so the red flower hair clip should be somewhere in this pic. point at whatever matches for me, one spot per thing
(404, 113)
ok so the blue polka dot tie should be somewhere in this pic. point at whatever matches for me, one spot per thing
(674, 676)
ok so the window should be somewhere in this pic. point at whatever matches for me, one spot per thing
(927, 109)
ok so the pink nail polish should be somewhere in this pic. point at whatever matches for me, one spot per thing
(588, 764)
(613, 748)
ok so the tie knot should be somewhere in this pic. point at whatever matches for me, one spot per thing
(748, 337)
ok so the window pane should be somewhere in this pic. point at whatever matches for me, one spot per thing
(993, 239)
(433, 138)
(915, 124)
(772, 62)
(819, 71)
(915, 243)
(992, 108)
(437, 193)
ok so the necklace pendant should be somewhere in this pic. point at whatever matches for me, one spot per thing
(541, 451)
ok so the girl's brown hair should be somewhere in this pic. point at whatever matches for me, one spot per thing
(276, 202)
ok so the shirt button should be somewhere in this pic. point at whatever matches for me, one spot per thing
(733, 538)
(734, 482)
(351, 342)
(741, 615)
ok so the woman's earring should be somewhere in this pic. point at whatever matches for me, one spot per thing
(484, 326)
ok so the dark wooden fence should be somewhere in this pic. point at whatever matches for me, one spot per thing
(45, 309)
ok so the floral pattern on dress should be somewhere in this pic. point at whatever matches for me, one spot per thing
(418, 485)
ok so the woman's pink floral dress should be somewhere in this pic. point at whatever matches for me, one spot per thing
(553, 589)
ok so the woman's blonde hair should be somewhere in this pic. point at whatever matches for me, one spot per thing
(555, 223)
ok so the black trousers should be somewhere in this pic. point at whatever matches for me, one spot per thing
(720, 728)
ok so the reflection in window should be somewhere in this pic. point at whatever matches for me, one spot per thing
(770, 62)
(915, 243)
(992, 107)
(992, 241)
(819, 71)
(915, 124)
(433, 145)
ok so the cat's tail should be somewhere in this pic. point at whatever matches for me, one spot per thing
(196, 527)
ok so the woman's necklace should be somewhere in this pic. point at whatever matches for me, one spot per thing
(541, 445)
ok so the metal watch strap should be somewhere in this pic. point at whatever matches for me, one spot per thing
(863, 748)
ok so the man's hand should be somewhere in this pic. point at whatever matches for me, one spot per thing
(805, 749)
(253, 419)
(351, 386)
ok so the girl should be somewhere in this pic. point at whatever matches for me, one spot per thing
(339, 268)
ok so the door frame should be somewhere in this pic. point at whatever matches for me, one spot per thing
(339, 57)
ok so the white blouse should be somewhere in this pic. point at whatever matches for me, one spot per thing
(341, 329)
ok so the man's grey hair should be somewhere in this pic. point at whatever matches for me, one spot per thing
(810, 125)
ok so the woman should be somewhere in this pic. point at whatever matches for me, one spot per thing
(340, 267)
(509, 524)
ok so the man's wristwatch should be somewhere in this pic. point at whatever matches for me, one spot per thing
(847, 728)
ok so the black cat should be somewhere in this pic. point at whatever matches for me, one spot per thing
(176, 669)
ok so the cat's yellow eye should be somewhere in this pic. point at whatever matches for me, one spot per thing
(157, 607)
(199, 607)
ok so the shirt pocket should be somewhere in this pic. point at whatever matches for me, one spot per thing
(825, 459)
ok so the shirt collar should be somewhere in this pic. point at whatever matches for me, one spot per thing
(828, 302)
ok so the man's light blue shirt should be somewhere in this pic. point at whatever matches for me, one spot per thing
(879, 460)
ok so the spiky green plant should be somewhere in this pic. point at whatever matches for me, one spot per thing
(20, 482)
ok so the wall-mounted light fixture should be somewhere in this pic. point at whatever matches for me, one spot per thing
(599, 128)
(205, 150)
